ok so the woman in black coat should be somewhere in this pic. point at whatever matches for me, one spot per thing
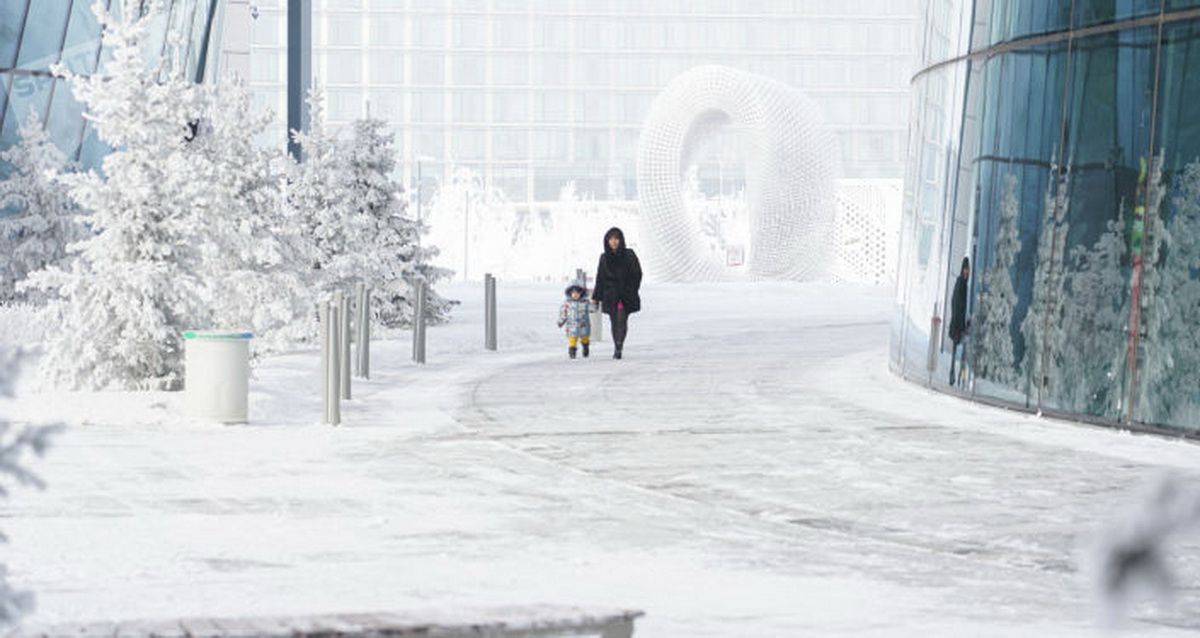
(958, 314)
(618, 278)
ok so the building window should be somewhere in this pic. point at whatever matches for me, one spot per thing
(511, 70)
(511, 107)
(552, 107)
(469, 107)
(469, 70)
(510, 145)
(468, 144)
(343, 67)
(386, 67)
(428, 106)
(343, 30)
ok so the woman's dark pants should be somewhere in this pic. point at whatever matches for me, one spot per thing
(620, 326)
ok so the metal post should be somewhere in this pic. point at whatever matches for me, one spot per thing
(417, 316)
(299, 69)
(466, 234)
(489, 300)
(323, 330)
(421, 301)
(343, 302)
(334, 416)
(363, 336)
(935, 335)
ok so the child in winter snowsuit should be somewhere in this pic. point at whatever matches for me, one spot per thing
(573, 318)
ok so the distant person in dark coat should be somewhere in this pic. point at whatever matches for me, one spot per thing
(959, 325)
(618, 278)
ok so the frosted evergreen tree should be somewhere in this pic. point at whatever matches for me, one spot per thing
(37, 236)
(992, 350)
(1042, 326)
(393, 258)
(1169, 371)
(319, 196)
(248, 246)
(1095, 313)
(131, 290)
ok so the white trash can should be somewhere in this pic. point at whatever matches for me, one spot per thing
(216, 379)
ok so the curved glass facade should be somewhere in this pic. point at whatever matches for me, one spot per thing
(37, 34)
(1054, 143)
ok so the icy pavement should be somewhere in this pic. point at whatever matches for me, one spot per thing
(750, 468)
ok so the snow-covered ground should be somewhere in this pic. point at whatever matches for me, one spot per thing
(751, 468)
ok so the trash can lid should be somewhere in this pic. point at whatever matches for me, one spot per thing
(216, 334)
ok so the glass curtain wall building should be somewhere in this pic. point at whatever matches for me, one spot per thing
(37, 34)
(533, 94)
(1054, 143)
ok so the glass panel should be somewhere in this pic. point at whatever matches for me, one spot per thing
(511, 107)
(93, 149)
(83, 39)
(65, 122)
(1020, 18)
(1092, 12)
(344, 30)
(344, 67)
(468, 145)
(1108, 138)
(512, 70)
(156, 34)
(510, 145)
(469, 31)
(429, 142)
(429, 30)
(387, 105)
(387, 29)
(428, 69)
(469, 107)
(12, 12)
(428, 106)
(511, 31)
(386, 67)
(28, 93)
(1169, 367)
(469, 70)
(43, 34)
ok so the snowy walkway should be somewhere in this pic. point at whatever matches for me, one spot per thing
(750, 469)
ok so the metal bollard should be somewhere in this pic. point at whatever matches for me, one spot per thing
(323, 334)
(343, 302)
(419, 328)
(362, 336)
(935, 336)
(489, 302)
(333, 415)
(416, 304)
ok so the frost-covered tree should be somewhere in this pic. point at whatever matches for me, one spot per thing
(354, 218)
(1169, 371)
(247, 243)
(1095, 312)
(317, 193)
(37, 235)
(132, 289)
(16, 443)
(992, 350)
(393, 256)
(1042, 326)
